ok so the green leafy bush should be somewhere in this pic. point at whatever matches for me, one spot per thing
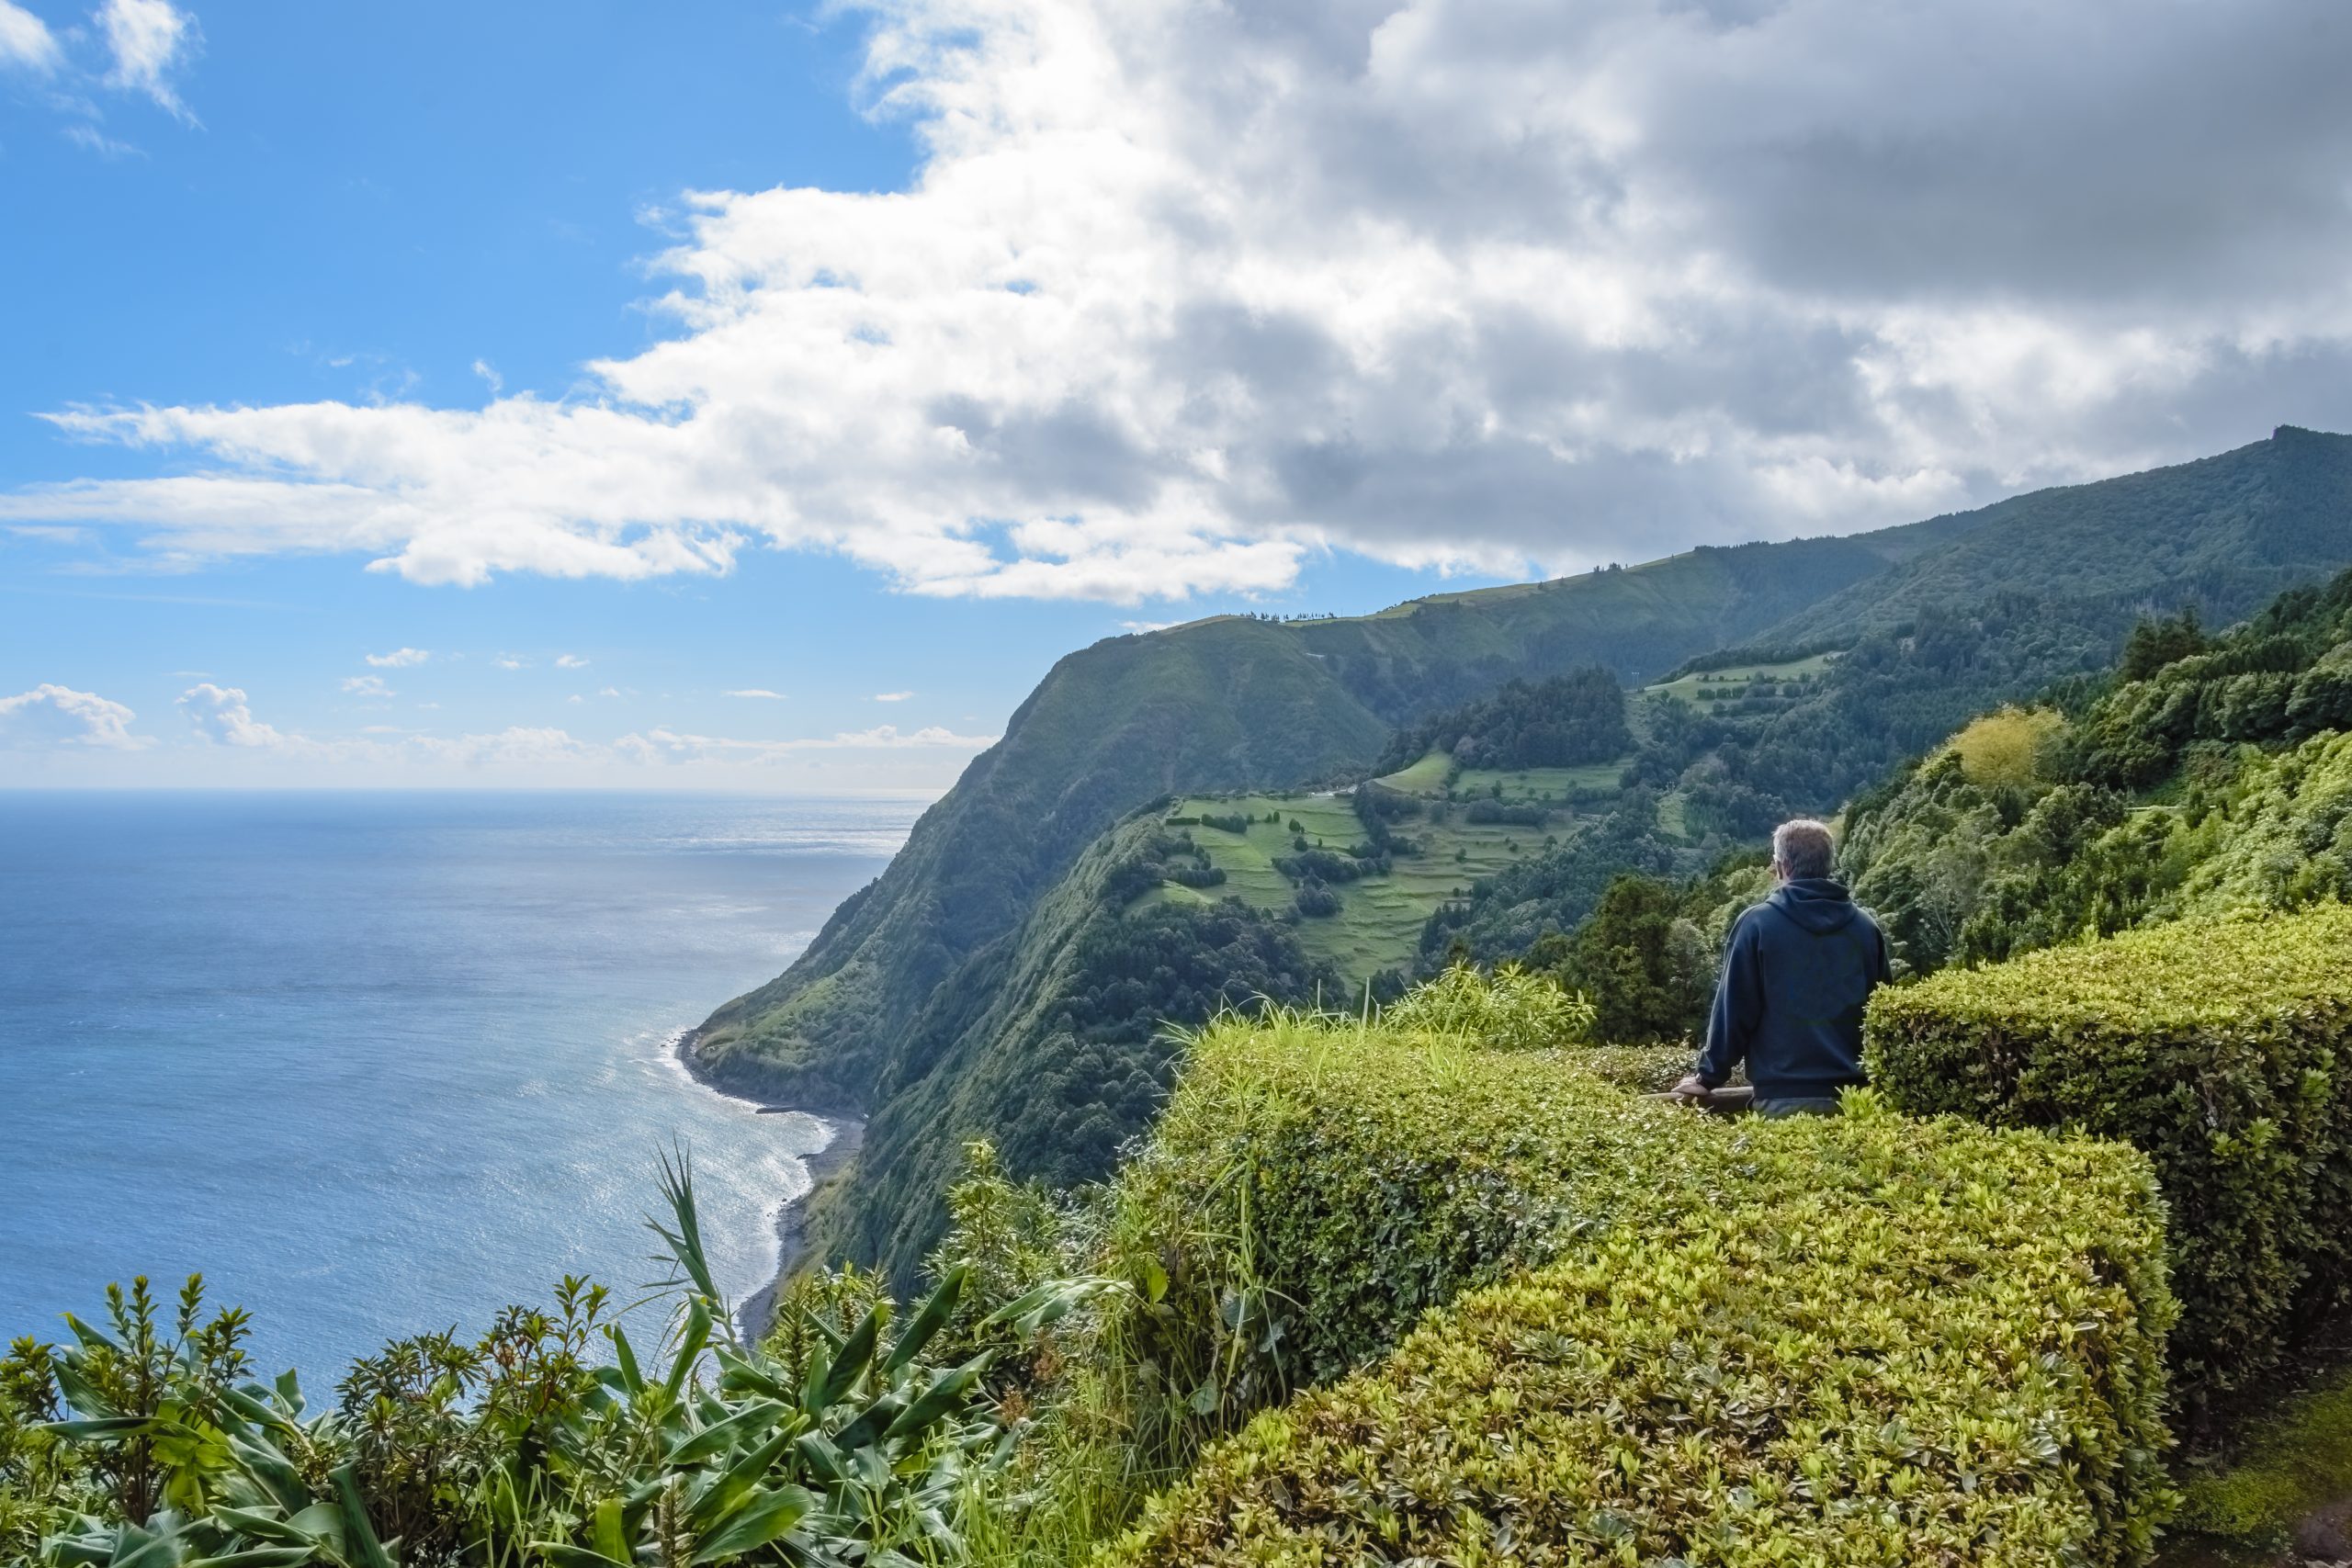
(1510, 1010)
(2222, 1049)
(843, 1438)
(1658, 1338)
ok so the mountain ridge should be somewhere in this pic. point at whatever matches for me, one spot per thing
(902, 1003)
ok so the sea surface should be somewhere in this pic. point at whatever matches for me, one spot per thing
(379, 1063)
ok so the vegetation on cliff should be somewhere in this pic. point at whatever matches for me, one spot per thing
(886, 1013)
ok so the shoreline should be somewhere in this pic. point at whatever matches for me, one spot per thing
(845, 1134)
(756, 1315)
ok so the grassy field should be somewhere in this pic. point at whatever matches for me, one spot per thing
(1733, 682)
(1428, 776)
(1379, 923)
(1434, 777)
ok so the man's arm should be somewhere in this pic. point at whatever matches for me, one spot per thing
(1739, 997)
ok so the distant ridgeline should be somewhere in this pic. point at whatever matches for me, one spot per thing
(1148, 843)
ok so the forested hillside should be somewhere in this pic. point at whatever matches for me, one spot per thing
(948, 998)
(2211, 776)
(1227, 703)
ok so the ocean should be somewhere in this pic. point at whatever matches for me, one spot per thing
(377, 1064)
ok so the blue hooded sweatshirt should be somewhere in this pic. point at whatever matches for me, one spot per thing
(1796, 972)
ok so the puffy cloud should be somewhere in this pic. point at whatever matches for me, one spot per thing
(1183, 294)
(570, 662)
(758, 692)
(149, 40)
(399, 659)
(60, 716)
(511, 661)
(892, 696)
(26, 41)
(366, 686)
(223, 716)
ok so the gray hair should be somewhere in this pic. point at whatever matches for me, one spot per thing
(1804, 847)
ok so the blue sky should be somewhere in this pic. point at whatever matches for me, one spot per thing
(584, 364)
(363, 204)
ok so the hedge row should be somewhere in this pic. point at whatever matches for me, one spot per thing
(2224, 1052)
(1310, 1192)
(1860, 1341)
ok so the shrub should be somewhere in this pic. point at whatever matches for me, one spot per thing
(1510, 1010)
(1493, 811)
(1316, 900)
(2221, 1050)
(1659, 1337)
(2006, 746)
(839, 1439)
(1325, 865)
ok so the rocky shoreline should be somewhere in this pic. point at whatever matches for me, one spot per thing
(845, 1134)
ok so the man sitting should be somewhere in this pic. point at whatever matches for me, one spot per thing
(1796, 972)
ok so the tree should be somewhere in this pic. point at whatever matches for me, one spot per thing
(1641, 958)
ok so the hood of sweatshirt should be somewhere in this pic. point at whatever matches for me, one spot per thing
(1819, 904)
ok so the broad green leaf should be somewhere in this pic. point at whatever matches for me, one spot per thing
(850, 1362)
(728, 1489)
(625, 1359)
(564, 1555)
(690, 1345)
(745, 1423)
(943, 1396)
(756, 1526)
(928, 1322)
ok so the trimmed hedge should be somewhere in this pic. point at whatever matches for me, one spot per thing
(1859, 1341)
(2224, 1052)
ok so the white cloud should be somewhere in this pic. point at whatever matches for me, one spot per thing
(150, 39)
(399, 659)
(60, 716)
(366, 686)
(609, 691)
(483, 368)
(90, 139)
(26, 41)
(662, 744)
(570, 662)
(516, 746)
(892, 696)
(510, 662)
(759, 692)
(1183, 294)
(222, 716)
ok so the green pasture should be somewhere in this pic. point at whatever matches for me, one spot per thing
(1537, 784)
(1380, 919)
(1427, 777)
(1733, 682)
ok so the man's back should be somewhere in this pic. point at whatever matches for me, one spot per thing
(1797, 971)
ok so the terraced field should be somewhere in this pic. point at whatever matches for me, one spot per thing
(1736, 681)
(1434, 777)
(1379, 922)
